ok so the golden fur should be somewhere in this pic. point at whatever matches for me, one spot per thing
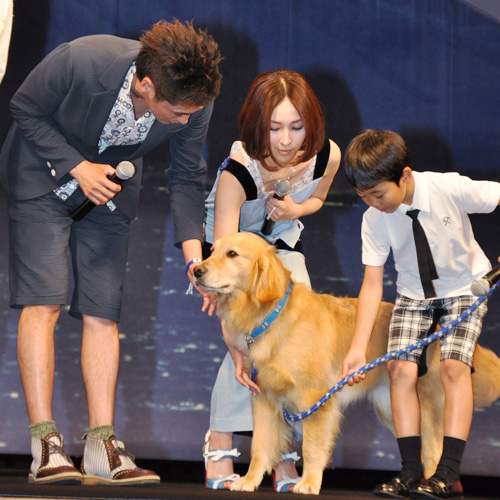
(299, 358)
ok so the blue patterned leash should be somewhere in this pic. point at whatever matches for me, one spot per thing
(387, 357)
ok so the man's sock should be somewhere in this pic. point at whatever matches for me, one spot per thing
(449, 465)
(409, 448)
(41, 429)
(102, 432)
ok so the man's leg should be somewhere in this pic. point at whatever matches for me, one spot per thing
(35, 351)
(105, 459)
(35, 347)
(100, 358)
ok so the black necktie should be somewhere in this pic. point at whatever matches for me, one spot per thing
(426, 265)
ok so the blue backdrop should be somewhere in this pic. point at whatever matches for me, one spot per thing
(428, 70)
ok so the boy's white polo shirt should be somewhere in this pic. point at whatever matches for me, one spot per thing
(444, 201)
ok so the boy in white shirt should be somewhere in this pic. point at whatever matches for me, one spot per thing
(378, 166)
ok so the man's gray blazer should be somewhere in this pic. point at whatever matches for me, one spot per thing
(60, 111)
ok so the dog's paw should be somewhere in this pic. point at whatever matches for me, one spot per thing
(307, 487)
(244, 484)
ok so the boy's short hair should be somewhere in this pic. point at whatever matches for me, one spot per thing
(375, 156)
(183, 63)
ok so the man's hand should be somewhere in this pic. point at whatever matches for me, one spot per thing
(94, 181)
(209, 301)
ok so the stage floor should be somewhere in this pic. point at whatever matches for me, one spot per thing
(184, 481)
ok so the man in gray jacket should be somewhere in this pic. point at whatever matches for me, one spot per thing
(89, 105)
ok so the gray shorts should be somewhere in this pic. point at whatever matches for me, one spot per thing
(49, 254)
(413, 320)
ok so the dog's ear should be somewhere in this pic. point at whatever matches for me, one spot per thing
(272, 278)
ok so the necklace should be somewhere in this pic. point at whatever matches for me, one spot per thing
(274, 178)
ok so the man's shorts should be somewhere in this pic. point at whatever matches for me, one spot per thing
(413, 320)
(49, 253)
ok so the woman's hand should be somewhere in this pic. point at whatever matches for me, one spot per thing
(238, 354)
(284, 209)
(239, 370)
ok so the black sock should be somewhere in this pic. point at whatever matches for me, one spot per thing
(409, 448)
(449, 465)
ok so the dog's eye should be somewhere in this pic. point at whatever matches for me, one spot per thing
(232, 254)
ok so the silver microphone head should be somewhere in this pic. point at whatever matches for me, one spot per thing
(282, 187)
(125, 170)
(480, 287)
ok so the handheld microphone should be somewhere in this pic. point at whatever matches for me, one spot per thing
(124, 170)
(281, 188)
(482, 286)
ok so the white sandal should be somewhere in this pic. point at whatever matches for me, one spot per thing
(217, 483)
(282, 486)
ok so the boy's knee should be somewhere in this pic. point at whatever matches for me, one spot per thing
(402, 371)
(453, 371)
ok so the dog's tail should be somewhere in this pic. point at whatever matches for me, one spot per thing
(486, 377)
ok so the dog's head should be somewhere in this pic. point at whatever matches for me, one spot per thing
(243, 262)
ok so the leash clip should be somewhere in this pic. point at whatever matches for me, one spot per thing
(249, 341)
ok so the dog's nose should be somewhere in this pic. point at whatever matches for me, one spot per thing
(199, 271)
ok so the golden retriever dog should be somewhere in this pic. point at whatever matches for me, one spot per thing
(299, 358)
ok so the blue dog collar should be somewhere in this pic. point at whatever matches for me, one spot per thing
(270, 317)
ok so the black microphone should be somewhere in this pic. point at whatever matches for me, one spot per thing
(281, 189)
(124, 170)
(483, 285)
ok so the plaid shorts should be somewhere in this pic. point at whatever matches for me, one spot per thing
(413, 320)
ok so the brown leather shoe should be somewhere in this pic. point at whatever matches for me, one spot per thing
(435, 487)
(51, 464)
(399, 487)
(107, 462)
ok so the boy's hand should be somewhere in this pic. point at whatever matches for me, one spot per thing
(353, 362)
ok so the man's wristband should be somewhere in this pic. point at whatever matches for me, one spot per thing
(192, 261)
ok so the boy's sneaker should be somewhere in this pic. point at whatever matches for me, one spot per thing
(51, 464)
(107, 462)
